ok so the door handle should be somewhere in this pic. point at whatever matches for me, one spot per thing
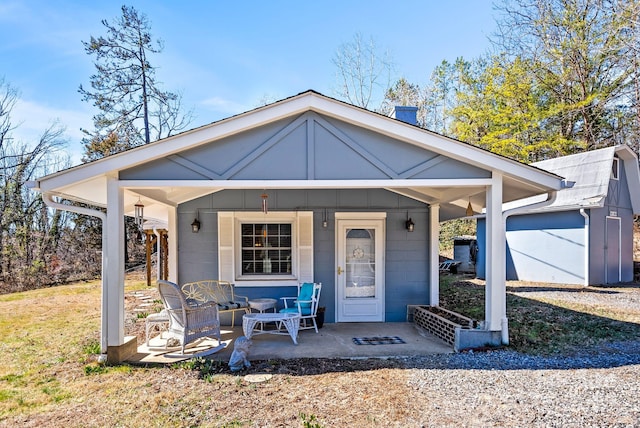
(340, 270)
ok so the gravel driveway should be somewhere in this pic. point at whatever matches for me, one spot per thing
(593, 387)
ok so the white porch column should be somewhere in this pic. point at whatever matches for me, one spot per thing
(434, 254)
(495, 290)
(113, 294)
(173, 243)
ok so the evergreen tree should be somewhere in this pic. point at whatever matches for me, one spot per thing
(133, 108)
(501, 108)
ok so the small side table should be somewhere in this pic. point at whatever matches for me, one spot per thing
(262, 305)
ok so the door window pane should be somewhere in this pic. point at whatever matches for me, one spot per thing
(360, 264)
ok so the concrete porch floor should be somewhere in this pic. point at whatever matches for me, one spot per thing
(331, 341)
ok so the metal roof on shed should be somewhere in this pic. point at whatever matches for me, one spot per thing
(591, 172)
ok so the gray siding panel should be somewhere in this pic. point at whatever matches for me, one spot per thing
(407, 263)
(618, 193)
(309, 146)
(558, 253)
(555, 253)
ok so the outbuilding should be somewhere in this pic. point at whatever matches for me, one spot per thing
(585, 236)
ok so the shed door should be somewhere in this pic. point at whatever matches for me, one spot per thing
(360, 270)
(613, 268)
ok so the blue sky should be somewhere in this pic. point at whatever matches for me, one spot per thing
(225, 57)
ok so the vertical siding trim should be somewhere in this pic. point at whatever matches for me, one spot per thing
(311, 149)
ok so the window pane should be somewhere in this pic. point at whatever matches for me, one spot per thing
(273, 241)
(285, 241)
(266, 248)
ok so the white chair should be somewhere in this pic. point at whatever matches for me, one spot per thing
(188, 320)
(305, 304)
(159, 320)
(221, 292)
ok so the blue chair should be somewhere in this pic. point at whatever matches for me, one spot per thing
(305, 304)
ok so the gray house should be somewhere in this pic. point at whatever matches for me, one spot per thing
(306, 189)
(585, 235)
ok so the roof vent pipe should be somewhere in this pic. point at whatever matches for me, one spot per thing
(406, 114)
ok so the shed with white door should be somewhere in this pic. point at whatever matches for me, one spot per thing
(586, 235)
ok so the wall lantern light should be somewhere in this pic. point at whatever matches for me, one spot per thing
(325, 223)
(409, 224)
(195, 226)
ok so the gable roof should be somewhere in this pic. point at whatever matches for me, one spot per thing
(591, 173)
(88, 182)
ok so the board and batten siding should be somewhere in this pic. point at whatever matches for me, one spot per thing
(308, 147)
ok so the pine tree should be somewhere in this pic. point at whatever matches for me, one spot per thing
(131, 104)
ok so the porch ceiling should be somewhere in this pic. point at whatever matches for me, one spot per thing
(452, 195)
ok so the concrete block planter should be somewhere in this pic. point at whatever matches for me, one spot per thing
(441, 322)
(457, 330)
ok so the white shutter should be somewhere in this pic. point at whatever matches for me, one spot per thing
(226, 271)
(305, 246)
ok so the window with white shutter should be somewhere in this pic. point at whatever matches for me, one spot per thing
(265, 249)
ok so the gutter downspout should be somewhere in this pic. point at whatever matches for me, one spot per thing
(48, 200)
(586, 246)
(551, 197)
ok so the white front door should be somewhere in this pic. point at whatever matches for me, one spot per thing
(360, 239)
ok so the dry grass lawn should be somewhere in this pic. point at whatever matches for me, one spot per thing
(49, 375)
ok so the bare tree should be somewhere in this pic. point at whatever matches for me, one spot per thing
(25, 227)
(363, 72)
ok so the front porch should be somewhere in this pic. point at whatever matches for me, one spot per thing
(333, 340)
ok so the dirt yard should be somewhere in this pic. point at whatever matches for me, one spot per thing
(48, 379)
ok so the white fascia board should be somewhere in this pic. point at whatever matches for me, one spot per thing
(304, 184)
(177, 143)
(435, 142)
